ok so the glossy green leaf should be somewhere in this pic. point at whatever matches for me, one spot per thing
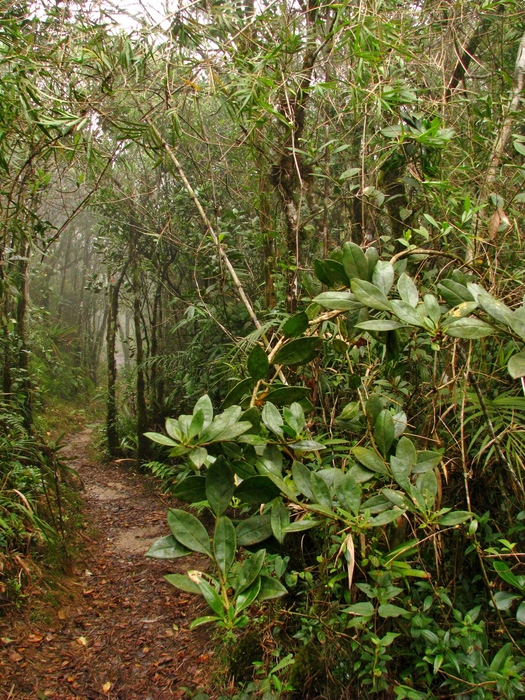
(520, 613)
(296, 325)
(211, 597)
(270, 588)
(301, 525)
(365, 609)
(191, 490)
(173, 430)
(456, 517)
(390, 610)
(406, 452)
(320, 272)
(306, 446)
(469, 329)
(383, 276)
(301, 477)
(348, 493)
(220, 485)
(384, 431)
(250, 570)
(335, 272)
(380, 325)
(454, 293)
(196, 424)
(204, 404)
(244, 599)
(401, 471)
(183, 583)
(407, 290)
(161, 439)
(373, 407)
(428, 486)
(240, 391)
(189, 531)
(253, 530)
(280, 519)
(504, 599)
(224, 544)
(500, 658)
(320, 491)
(257, 364)
(355, 262)
(407, 313)
(370, 295)
(256, 490)
(432, 307)
(298, 352)
(272, 418)
(369, 459)
(516, 365)
(386, 517)
(271, 461)
(504, 572)
(337, 301)
(167, 548)
(286, 395)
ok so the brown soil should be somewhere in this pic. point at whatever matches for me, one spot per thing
(118, 631)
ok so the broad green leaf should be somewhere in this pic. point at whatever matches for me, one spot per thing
(516, 365)
(211, 597)
(225, 426)
(397, 498)
(469, 329)
(389, 610)
(280, 519)
(406, 452)
(372, 256)
(204, 620)
(407, 291)
(355, 262)
(387, 517)
(298, 352)
(167, 548)
(271, 461)
(301, 477)
(400, 423)
(294, 416)
(250, 570)
(520, 614)
(351, 172)
(270, 588)
(196, 424)
(428, 486)
(407, 313)
(198, 456)
(348, 493)
(238, 393)
(246, 597)
(320, 272)
(460, 311)
(320, 491)
(183, 583)
(366, 609)
(285, 395)
(369, 295)
(370, 460)
(258, 364)
(455, 517)
(224, 544)
(376, 504)
(401, 471)
(384, 431)
(432, 307)
(161, 439)
(189, 531)
(257, 490)
(383, 276)
(427, 460)
(191, 490)
(495, 308)
(173, 430)
(306, 446)
(374, 406)
(335, 272)
(272, 418)
(508, 576)
(296, 325)
(204, 404)
(337, 301)
(379, 325)
(220, 485)
(500, 658)
(253, 530)
(504, 599)
(301, 525)
(454, 293)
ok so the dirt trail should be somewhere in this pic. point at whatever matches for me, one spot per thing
(123, 632)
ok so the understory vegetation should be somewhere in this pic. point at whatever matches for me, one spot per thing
(282, 243)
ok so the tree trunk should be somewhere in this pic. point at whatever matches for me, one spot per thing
(111, 339)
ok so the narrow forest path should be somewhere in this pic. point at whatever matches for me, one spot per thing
(122, 634)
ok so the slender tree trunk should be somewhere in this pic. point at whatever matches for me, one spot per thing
(111, 339)
(142, 415)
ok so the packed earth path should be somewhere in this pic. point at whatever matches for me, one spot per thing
(115, 628)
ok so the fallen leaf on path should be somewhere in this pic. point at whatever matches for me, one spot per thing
(15, 657)
(82, 641)
(106, 687)
(61, 614)
(35, 638)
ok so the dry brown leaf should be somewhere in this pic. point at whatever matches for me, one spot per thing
(106, 687)
(35, 638)
(82, 641)
(61, 614)
(15, 657)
